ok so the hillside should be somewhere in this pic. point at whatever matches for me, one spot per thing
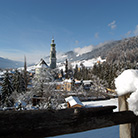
(126, 50)
(6, 63)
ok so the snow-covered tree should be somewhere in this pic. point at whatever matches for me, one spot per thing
(44, 89)
(66, 69)
(19, 82)
(7, 90)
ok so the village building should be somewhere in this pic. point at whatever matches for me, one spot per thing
(87, 84)
(70, 84)
(73, 102)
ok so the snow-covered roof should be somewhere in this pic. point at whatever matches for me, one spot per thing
(77, 81)
(1, 73)
(87, 82)
(42, 64)
(73, 100)
(54, 83)
(68, 80)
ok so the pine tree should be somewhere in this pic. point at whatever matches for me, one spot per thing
(18, 82)
(7, 90)
(76, 71)
(62, 73)
(25, 73)
(66, 69)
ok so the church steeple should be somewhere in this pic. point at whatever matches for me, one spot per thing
(53, 55)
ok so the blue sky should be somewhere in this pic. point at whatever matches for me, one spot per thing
(27, 26)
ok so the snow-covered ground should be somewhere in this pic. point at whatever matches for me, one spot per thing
(87, 63)
(110, 102)
(109, 132)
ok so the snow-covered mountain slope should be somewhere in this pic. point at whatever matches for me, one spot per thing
(87, 63)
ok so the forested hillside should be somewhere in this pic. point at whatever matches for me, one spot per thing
(126, 50)
(120, 55)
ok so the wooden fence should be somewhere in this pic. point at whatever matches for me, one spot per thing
(45, 123)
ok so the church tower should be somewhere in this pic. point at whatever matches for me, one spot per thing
(53, 55)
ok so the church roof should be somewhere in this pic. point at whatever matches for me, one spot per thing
(42, 64)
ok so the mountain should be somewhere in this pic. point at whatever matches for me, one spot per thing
(6, 63)
(113, 51)
(123, 50)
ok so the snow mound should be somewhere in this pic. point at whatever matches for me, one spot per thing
(127, 82)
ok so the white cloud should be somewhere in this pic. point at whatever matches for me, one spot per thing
(102, 44)
(136, 30)
(96, 35)
(83, 50)
(128, 33)
(112, 25)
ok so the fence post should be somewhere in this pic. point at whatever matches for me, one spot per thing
(125, 130)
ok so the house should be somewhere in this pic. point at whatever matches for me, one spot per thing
(108, 90)
(87, 84)
(73, 102)
(59, 85)
(68, 84)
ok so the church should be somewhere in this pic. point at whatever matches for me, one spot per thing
(42, 65)
(53, 55)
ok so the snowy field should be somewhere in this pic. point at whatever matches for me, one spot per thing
(109, 132)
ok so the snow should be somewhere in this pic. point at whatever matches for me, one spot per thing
(110, 102)
(73, 100)
(41, 66)
(68, 80)
(127, 82)
(1, 73)
(109, 132)
(87, 63)
(133, 102)
(90, 63)
(85, 82)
